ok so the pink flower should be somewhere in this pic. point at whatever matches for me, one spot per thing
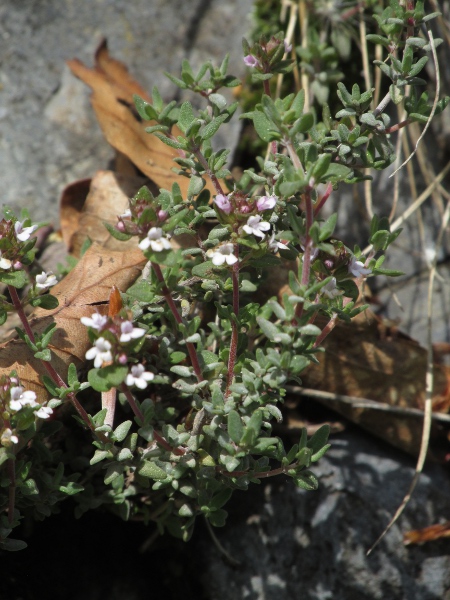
(223, 202)
(251, 61)
(266, 203)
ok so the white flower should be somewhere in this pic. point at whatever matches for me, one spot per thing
(4, 262)
(100, 352)
(287, 46)
(223, 202)
(44, 412)
(19, 398)
(126, 214)
(45, 280)
(274, 245)
(222, 254)
(356, 268)
(156, 240)
(139, 377)
(97, 321)
(8, 438)
(256, 226)
(128, 332)
(266, 202)
(330, 289)
(23, 233)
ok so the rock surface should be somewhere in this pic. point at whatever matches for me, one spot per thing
(48, 133)
(296, 545)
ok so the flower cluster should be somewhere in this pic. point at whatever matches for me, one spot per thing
(16, 403)
(112, 339)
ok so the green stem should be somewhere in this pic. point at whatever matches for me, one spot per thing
(258, 475)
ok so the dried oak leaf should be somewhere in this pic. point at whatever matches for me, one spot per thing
(368, 360)
(112, 100)
(104, 199)
(83, 291)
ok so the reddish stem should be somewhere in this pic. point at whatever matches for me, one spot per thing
(202, 160)
(234, 323)
(398, 126)
(138, 413)
(326, 331)
(47, 366)
(170, 301)
(308, 241)
(324, 198)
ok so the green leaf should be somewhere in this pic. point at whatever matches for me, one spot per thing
(218, 518)
(118, 235)
(306, 481)
(15, 278)
(121, 431)
(47, 301)
(11, 545)
(186, 116)
(235, 426)
(105, 378)
(196, 185)
(44, 355)
(210, 129)
(145, 109)
(317, 441)
(220, 499)
(99, 455)
(264, 128)
(72, 377)
(149, 469)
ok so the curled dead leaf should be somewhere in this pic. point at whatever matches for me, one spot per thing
(368, 360)
(112, 100)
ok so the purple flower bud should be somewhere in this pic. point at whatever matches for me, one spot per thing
(122, 359)
(17, 265)
(223, 202)
(121, 227)
(162, 215)
(251, 61)
(266, 203)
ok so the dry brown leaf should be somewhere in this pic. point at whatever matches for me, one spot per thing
(106, 199)
(112, 100)
(83, 291)
(427, 534)
(368, 360)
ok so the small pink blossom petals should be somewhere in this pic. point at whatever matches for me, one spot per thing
(223, 202)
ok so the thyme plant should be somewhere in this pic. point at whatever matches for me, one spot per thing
(199, 359)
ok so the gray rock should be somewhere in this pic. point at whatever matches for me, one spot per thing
(48, 133)
(302, 545)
